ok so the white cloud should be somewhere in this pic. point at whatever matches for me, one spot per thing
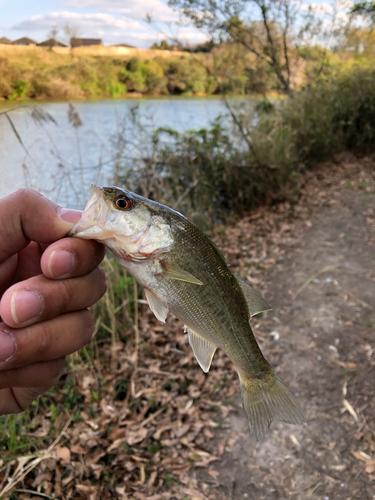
(135, 9)
(341, 7)
(112, 29)
(323, 8)
(89, 24)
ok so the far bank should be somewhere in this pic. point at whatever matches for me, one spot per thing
(94, 72)
(99, 72)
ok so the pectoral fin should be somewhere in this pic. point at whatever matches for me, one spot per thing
(157, 306)
(203, 350)
(176, 273)
(254, 301)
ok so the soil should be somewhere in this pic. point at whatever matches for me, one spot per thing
(321, 340)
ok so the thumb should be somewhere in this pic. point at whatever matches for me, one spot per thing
(26, 216)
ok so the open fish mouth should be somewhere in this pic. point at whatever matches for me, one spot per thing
(94, 216)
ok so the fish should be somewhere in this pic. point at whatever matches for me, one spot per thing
(183, 272)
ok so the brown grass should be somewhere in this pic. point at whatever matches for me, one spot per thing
(59, 55)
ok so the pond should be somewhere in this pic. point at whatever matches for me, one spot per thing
(58, 159)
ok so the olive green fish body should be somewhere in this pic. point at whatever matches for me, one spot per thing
(183, 272)
(217, 310)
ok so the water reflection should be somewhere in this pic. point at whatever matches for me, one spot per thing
(63, 160)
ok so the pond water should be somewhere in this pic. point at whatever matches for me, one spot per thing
(60, 160)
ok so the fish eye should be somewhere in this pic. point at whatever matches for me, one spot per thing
(123, 202)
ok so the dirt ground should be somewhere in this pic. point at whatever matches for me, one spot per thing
(320, 339)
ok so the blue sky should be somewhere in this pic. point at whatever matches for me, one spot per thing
(115, 21)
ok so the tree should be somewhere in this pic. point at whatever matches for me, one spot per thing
(72, 31)
(366, 9)
(164, 45)
(53, 34)
(265, 28)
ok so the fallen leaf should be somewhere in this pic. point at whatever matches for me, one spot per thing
(64, 454)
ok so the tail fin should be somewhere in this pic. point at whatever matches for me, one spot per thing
(266, 399)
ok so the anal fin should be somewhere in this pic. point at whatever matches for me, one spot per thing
(157, 305)
(254, 301)
(203, 350)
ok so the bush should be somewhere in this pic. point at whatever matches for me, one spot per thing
(220, 170)
(326, 118)
(20, 89)
(186, 76)
(203, 173)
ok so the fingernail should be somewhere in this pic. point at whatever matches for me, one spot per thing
(70, 215)
(25, 306)
(61, 263)
(7, 346)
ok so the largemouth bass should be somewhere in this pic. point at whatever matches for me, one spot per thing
(182, 271)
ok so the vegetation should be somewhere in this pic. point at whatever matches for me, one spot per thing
(45, 74)
(246, 63)
(163, 45)
(230, 167)
(210, 175)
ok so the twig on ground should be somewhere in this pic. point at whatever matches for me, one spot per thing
(322, 271)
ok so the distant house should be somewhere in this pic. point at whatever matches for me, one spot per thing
(85, 42)
(5, 41)
(51, 42)
(125, 45)
(24, 41)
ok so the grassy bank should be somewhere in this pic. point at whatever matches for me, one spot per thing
(40, 73)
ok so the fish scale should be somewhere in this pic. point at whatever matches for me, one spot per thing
(184, 272)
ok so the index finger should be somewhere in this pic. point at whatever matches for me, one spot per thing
(26, 216)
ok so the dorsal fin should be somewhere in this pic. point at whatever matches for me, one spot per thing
(203, 350)
(254, 301)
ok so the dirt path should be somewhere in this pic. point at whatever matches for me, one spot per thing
(321, 341)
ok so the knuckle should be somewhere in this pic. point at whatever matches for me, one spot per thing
(102, 278)
(68, 295)
(29, 195)
(43, 342)
(89, 324)
(56, 369)
(26, 193)
(36, 199)
(101, 250)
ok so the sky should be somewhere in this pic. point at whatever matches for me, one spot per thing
(114, 21)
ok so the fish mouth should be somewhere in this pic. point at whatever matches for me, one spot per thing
(94, 216)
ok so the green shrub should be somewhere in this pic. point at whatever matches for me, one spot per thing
(203, 173)
(330, 116)
(185, 76)
(20, 89)
(115, 88)
(227, 169)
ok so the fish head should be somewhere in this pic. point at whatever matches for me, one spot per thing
(129, 225)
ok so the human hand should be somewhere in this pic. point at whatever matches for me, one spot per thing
(46, 283)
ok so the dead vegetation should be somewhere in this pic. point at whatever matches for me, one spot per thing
(140, 420)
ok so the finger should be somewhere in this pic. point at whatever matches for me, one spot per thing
(7, 270)
(71, 257)
(28, 216)
(18, 399)
(45, 341)
(28, 262)
(38, 375)
(39, 299)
